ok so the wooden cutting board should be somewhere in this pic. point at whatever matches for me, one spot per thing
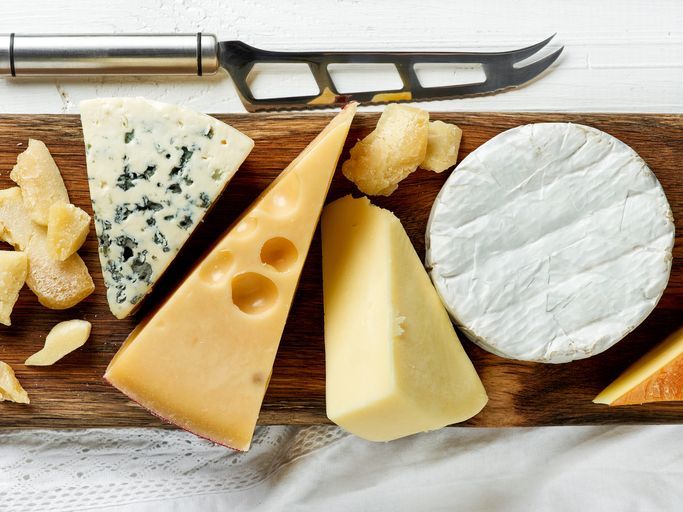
(72, 393)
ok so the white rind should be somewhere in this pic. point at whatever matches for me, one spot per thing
(550, 242)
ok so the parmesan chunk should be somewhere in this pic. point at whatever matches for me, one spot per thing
(67, 229)
(13, 267)
(391, 152)
(17, 226)
(64, 338)
(442, 146)
(10, 389)
(40, 181)
(57, 284)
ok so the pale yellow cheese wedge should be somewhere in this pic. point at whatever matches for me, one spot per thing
(10, 388)
(204, 359)
(64, 338)
(13, 268)
(67, 229)
(391, 152)
(394, 364)
(57, 284)
(655, 377)
(442, 146)
(40, 181)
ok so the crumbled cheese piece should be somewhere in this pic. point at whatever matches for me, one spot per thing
(442, 146)
(10, 389)
(64, 338)
(13, 268)
(57, 284)
(67, 229)
(40, 181)
(391, 152)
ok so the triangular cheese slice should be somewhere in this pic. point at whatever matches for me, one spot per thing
(204, 359)
(153, 170)
(394, 364)
(656, 377)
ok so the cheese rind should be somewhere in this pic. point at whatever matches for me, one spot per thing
(154, 170)
(41, 183)
(655, 377)
(204, 359)
(394, 364)
(10, 388)
(13, 268)
(550, 242)
(63, 338)
(67, 228)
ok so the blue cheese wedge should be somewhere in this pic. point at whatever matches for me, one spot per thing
(153, 170)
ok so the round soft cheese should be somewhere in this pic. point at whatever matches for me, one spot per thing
(550, 242)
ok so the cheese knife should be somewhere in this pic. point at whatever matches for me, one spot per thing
(202, 54)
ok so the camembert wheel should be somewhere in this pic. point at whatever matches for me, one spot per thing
(550, 242)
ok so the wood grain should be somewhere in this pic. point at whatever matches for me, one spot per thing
(73, 394)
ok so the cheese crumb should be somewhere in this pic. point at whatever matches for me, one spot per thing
(40, 181)
(13, 269)
(10, 389)
(442, 146)
(67, 229)
(64, 338)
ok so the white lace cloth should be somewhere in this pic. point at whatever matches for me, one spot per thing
(322, 468)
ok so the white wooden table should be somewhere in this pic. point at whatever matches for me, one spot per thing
(622, 56)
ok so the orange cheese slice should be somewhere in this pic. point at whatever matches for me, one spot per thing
(656, 377)
(204, 359)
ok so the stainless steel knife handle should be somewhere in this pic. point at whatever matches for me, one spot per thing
(98, 54)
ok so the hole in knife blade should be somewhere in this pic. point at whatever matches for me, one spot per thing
(350, 78)
(445, 74)
(281, 80)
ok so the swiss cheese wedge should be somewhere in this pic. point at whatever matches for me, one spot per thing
(203, 360)
(655, 377)
(394, 364)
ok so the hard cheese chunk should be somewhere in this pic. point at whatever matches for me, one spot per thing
(65, 337)
(656, 377)
(154, 170)
(13, 267)
(57, 284)
(442, 146)
(67, 229)
(10, 389)
(391, 152)
(204, 359)
(40, 181)
(394, 363)
(15, 221)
